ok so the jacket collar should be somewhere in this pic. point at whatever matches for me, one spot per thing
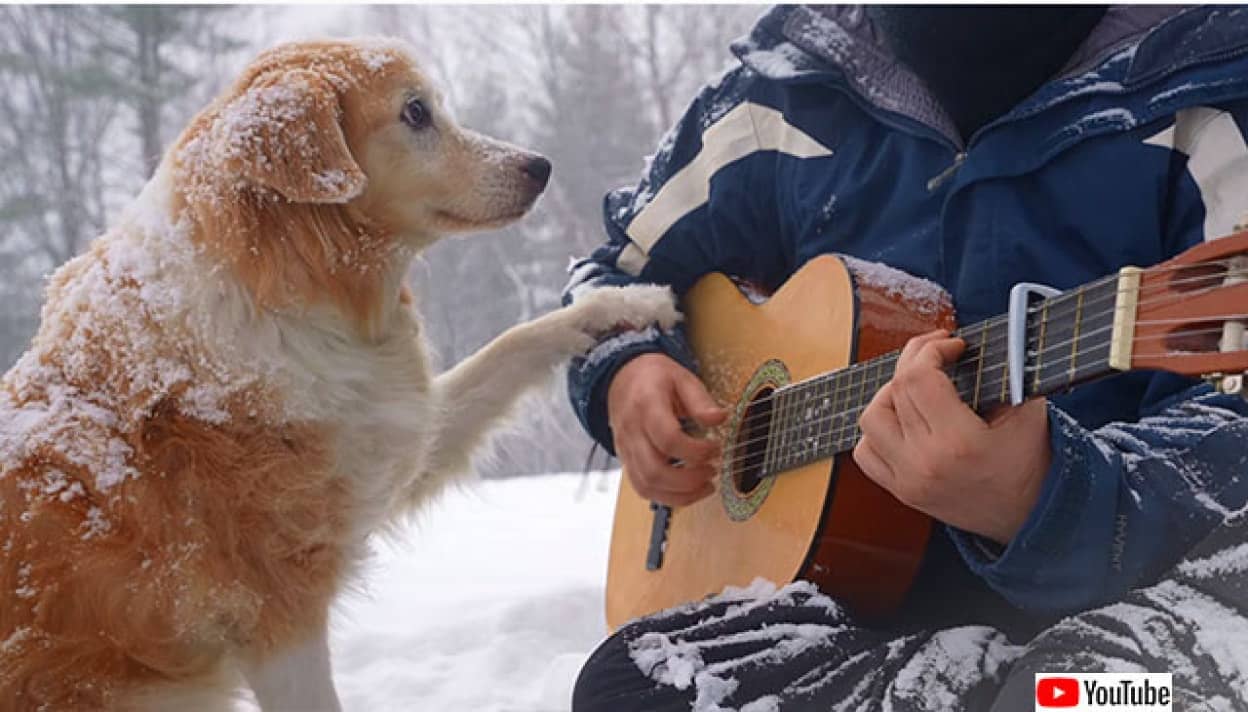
(1122, 26)
(802, 44)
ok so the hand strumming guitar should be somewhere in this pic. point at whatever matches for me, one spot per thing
(647, 398)
(925, 446)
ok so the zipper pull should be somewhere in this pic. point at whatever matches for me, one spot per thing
(946, 174)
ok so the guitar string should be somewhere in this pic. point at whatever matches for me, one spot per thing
(734, 451)
(838, 437)
(984, 348)
(1054, 314)
(838, 434)
(997, 340)
(818, 445)
(991, 346)
(877, 383)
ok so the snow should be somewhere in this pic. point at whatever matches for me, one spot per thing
(616, 344)
(1171, 93)
(111, 345)
(489, 602)
(380, 51)
(717, 79)
(825, 37)
(646, 190)
(951, 663)
(780, 63)
(1233, 560)
(18, 637)
(924, 296)
(770, 703)
(334, 181)
(255, 128)
(96, 524)
(1219, 631)
(245, 121)
(377, 59)
(937, 675)
(1087, 85)
(679, 663)
(59, 422)
(1119, 118)
(583, 276)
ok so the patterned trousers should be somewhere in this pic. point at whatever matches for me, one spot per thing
(794, 650)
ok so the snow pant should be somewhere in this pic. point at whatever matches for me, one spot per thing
(795, 650)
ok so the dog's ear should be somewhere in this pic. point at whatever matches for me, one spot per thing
(284, 133)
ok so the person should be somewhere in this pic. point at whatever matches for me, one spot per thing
(977, 147)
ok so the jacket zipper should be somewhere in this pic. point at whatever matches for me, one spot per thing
(943, 177)
(885, 117)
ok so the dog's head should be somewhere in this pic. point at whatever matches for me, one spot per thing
(327, 158)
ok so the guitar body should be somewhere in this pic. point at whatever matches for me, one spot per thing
(824, 521)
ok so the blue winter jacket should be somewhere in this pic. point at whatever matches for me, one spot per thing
(819, 142)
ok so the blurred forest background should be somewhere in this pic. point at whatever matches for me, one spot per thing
(91, 95)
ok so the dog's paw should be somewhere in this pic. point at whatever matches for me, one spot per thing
(575, 341)
(610, 309)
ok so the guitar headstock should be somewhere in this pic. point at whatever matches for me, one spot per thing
(1190, 313)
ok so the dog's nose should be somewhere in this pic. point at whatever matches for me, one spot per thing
(538, 169)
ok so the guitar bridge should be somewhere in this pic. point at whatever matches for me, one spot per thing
(658, 535)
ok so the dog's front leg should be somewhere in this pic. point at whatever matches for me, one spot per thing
(480, 390)
(297, 679)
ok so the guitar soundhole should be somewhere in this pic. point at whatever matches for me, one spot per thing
(744, 481)
(751, 445)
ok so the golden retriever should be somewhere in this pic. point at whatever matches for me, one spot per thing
(228, 392)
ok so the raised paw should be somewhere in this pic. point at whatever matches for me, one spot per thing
(610, 309)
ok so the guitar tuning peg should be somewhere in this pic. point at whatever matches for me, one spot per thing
(1231, 385)
(1234, 331)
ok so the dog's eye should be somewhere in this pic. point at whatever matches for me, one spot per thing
(416, 114)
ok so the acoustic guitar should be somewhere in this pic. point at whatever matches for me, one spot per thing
(798, 368)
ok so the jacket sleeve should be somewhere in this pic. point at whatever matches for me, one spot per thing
(1123, 503)
(706, 202)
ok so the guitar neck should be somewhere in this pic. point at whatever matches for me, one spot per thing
(1069, 339)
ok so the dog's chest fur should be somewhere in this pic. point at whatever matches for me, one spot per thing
(256, 450)
(375, 401)
(368, 396)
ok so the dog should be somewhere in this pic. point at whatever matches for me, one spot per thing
(228, 392)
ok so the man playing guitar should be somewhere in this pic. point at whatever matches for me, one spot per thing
(976, 147)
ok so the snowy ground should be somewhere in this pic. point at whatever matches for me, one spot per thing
(490, 603)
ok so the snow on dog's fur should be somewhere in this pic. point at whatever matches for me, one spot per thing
(228, 391)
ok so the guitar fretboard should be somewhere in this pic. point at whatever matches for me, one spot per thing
(1068, 342)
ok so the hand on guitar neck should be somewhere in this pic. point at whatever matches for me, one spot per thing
(926, 446)
(646, 402)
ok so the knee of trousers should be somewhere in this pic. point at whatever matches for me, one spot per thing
(602, 676)
(611, 682)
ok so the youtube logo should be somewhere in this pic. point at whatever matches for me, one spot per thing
(1105, 692)
(1057, 692)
